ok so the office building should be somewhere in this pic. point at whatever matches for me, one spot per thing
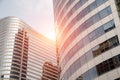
(88, 36)
(23, 51)
(50, 71)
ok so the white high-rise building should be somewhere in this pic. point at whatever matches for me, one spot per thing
(23, 51)
(88, 36)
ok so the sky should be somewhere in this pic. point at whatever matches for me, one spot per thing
(36, 13)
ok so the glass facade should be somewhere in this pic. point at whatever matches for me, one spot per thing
(84, 59)
(23, 51)
(88, 39)
(101, 68)
(81, 15)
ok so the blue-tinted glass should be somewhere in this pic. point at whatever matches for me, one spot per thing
(85, 11)
(99, 2)
(83, 1)
(108, 26)
(92, 36)
(95, 18)
(93, 6)
(100, 31)
(86, 76)
(93, 73)
(89, 55)
(109, 10)
(79, 4)
(88, 23)
(104, 12)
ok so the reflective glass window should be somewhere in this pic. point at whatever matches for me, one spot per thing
(92, 36)
(113, 42)
(100, 31)
(86, 40)
(80, 44)
(83, 60)
(86, 76)
(99, 2)
(96, 50)
(77, 64)
(93, 6)
(95, 18)
(93, 73)
(108, 26)
(105, 12)
(89, 55)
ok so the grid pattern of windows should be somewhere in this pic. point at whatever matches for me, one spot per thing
(75, 8)
(89, 38)
(81, 15)
(85, 58)
(101, 68)
(20, 56)
(49, 71)
(84, 26)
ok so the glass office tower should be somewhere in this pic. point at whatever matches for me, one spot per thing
(88, 36)
(23, 51)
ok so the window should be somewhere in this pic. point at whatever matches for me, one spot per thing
(93, 73)
(100, 31)
(93, 6)
(108, 26)
(83, 60)
(108, 65)
(86, 76)
(96, 51)
(96, 17)
(99, 2)
(77, 64)
(106, 45)
(92, 36)
(89, 55)
(105, 12)
(86, 40)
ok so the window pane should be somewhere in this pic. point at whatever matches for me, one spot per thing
(89, 55)
(104, 13)
(96, 50)
(99, 2)
(83, 60)
(86, 40)
(93, 6)
(92, 36)
(108, 26)
(100, 31)
(93, 73)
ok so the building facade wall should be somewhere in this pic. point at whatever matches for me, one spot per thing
(50, 71)
(87, 39)
(23, 51)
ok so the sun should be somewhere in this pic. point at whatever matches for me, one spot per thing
(51, 35)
